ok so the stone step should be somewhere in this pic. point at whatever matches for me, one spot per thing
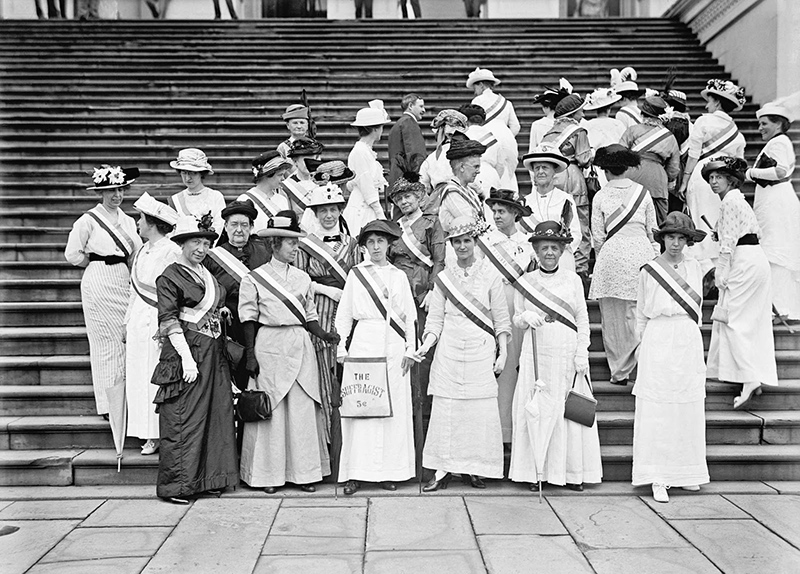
(31, 251)
(47, 400)
(37, 467)
(44, 290)
(41, 314)
(27, 270)
(61, 432)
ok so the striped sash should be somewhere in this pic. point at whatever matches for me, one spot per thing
(232, 266)
(265, 206)
(488, 139)
(677, 287)
(529, 223)
(651, 139)
(501, 260)
(564, 136)
(266, 277)
(495, 109)
(553, 306)
(617, 219)
(146, 292)
(196, 315)
(179, 203)
(470, 197)
(296, 191)
(473, 309)
(377, 291)
(118, 235)
(630, 114)
(414, 245)
(719, 141)
(317, 249)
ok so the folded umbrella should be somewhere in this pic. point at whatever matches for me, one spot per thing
(118, 415)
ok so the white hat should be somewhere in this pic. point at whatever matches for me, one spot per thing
(545, 152)
(192, 159)
(623, 81)
(149, 205)
(481, 75)
(725, 89)
(601, 98)
(372, 116)
(328, 194)
(787, 107)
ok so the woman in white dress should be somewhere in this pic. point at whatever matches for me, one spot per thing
(197, 199)
(546, 201)
(378, 449)
(103, 240)
(777, 208)
(467, 321)
(713, 133)
(742, 347)
(622, 219)
(669, 428)
(156, 221)
(364, 203)
(562, 353)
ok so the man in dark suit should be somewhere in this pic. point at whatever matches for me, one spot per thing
(406, 144)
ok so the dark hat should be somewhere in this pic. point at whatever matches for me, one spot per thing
(677, 222)
(108, 177)
(569, 105)
(550, 231)
(329, 171)
(305, 146)
(616, 155)
(244, 207)
(381, 226)
(733, 166)
(407, 183)
(547, 98)
(190, 227)
(462, 146)
(470, 110)
(507, 197)
(283, 224)
(268, 163)
(653, 106)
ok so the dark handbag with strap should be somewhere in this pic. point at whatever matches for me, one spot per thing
(592, 183)
(580, 408)
(234, 351)
(253, 407)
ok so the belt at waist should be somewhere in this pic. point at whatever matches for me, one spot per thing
(108, 259)
(769, 182)
(749, 239)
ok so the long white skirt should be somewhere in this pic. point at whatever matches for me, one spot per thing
(380, 449)
(104, 297)
(743, 349)
(573, 451)
(142, 357)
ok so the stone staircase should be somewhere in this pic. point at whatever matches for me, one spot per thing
(75, 95)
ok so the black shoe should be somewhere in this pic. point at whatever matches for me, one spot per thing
(575, 487)
(105, 416)
(621, 382)
(271, 489)
(351, 487)
(217, 492)
(388, 486)
(474, 481)
(434, 485)
(308, 488)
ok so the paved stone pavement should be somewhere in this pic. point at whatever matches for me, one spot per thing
(749, 527)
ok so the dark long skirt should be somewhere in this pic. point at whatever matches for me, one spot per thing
(198, 444)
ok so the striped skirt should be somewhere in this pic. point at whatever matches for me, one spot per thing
(105, 290)
(326, 359)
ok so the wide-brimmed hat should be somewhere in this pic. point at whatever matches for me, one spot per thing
(295, 111)
(327, 194)
(330, 171)
(268, 163)
(244, 207)
(676, 99)
(462, 146)
(624, 81)
(569, 105)
(192, 159)
(786, 107)
(726, 90)
(481, 75)
(108, 177)
(733, 166)
(464, 225)
(545, 153)
(372, 116)
(407, 183)
(550, 231)
(653, 106)
(385, 227)
(470, 110)
(189, 227)
(149, 205)
(283, 224)
(508, 198)
(601, 98)
(304, 146)
(677, 222)
(449, 117)
(616, 155)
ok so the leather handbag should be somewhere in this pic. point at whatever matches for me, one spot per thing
(580, 408)
(592, 183)
(234, 351)
(253, 406)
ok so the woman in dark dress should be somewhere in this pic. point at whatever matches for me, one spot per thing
(198, 446)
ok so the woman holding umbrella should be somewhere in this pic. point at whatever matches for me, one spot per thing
(554, 359)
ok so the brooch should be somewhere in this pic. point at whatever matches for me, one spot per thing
(549, 319)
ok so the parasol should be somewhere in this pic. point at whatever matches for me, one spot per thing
(118, 415)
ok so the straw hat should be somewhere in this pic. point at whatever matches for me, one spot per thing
(327, 194)
(295, 111)
(545, 153)
(108, 177)
(329, 171)
(372, 116)
(786, 107)
(149, 205)
(726, 90)
(481, 75)
(464, 225)
(192, 159)
(601, 98)
(449, 117)
(268, 163)
(733, 166)
(189, 227)
(283, 224)
(623, 81)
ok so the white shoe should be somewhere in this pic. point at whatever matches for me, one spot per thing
(692, 488)
(660, 492)
(150, 447)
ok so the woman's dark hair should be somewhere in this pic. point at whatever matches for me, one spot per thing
(277, 242)
(724, 103)
(364, 131)
(163, 227)
(784, 122)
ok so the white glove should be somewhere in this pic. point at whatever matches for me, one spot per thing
(187, 362)
(532, 318)
(581, 363)
(330, 292)
(722, 271)
(341, 354)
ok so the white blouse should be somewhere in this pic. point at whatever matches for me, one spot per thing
(198, 204)
(88, 237)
